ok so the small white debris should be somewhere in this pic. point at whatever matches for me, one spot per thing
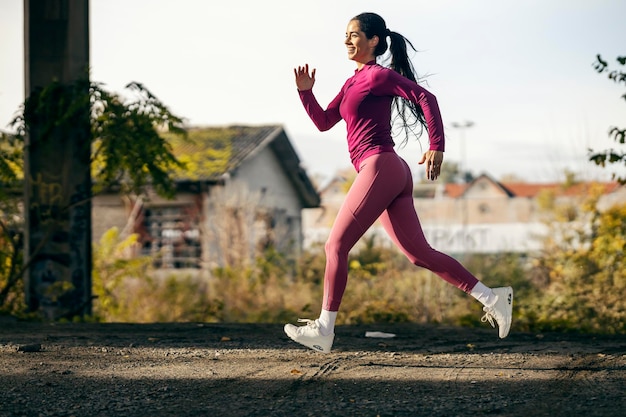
(380, 335)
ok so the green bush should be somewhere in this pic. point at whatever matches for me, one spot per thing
(581, 272)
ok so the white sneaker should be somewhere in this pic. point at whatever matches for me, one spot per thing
(310, 335)
(501, 311)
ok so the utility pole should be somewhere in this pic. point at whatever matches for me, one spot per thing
(464, 209)
(57, 182)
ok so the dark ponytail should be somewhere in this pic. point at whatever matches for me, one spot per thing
(408, 115)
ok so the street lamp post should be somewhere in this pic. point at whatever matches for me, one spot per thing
(463, 127)
(464, 211)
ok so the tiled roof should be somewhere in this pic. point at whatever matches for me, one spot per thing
(529, 190)
(211, 152)
(455, 190)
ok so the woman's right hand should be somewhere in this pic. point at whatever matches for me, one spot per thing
(304, 81)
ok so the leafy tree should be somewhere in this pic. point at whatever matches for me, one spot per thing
(128, 153)
(128, 150)
(11, 224)
(612, 156)
(11, 157)
(450, 172)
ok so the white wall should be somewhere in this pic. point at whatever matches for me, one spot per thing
(262, 171)
(455, 238)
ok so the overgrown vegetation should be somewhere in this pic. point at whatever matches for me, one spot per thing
(577, 283)
(580, 276)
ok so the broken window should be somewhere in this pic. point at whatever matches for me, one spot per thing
(171, 235)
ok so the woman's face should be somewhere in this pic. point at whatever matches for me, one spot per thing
(360, 49)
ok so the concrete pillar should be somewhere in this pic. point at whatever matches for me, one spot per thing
(57, 154)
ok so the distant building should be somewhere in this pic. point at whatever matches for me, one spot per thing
(243, 189)
(483, 216)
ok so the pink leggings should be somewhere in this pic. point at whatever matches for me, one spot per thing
(383, 189)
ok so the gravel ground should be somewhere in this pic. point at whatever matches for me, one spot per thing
(254, 370)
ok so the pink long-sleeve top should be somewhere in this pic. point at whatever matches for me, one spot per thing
(364, 102)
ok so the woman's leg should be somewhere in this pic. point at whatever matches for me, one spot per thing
(403, 226)
(383, 188)
(379, 181)
(375, 187)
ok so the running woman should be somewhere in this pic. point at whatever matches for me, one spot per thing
(383, 188)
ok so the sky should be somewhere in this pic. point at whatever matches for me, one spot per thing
(520, 71)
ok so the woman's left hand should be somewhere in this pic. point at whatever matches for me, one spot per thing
(433, 160)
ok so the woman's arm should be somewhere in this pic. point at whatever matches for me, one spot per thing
(389, 82)
(323, 119)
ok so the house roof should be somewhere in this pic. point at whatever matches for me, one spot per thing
(454, 190)
(210, 153)
(520, 189)
(531, 190)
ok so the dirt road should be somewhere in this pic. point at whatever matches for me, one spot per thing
(254, 370)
